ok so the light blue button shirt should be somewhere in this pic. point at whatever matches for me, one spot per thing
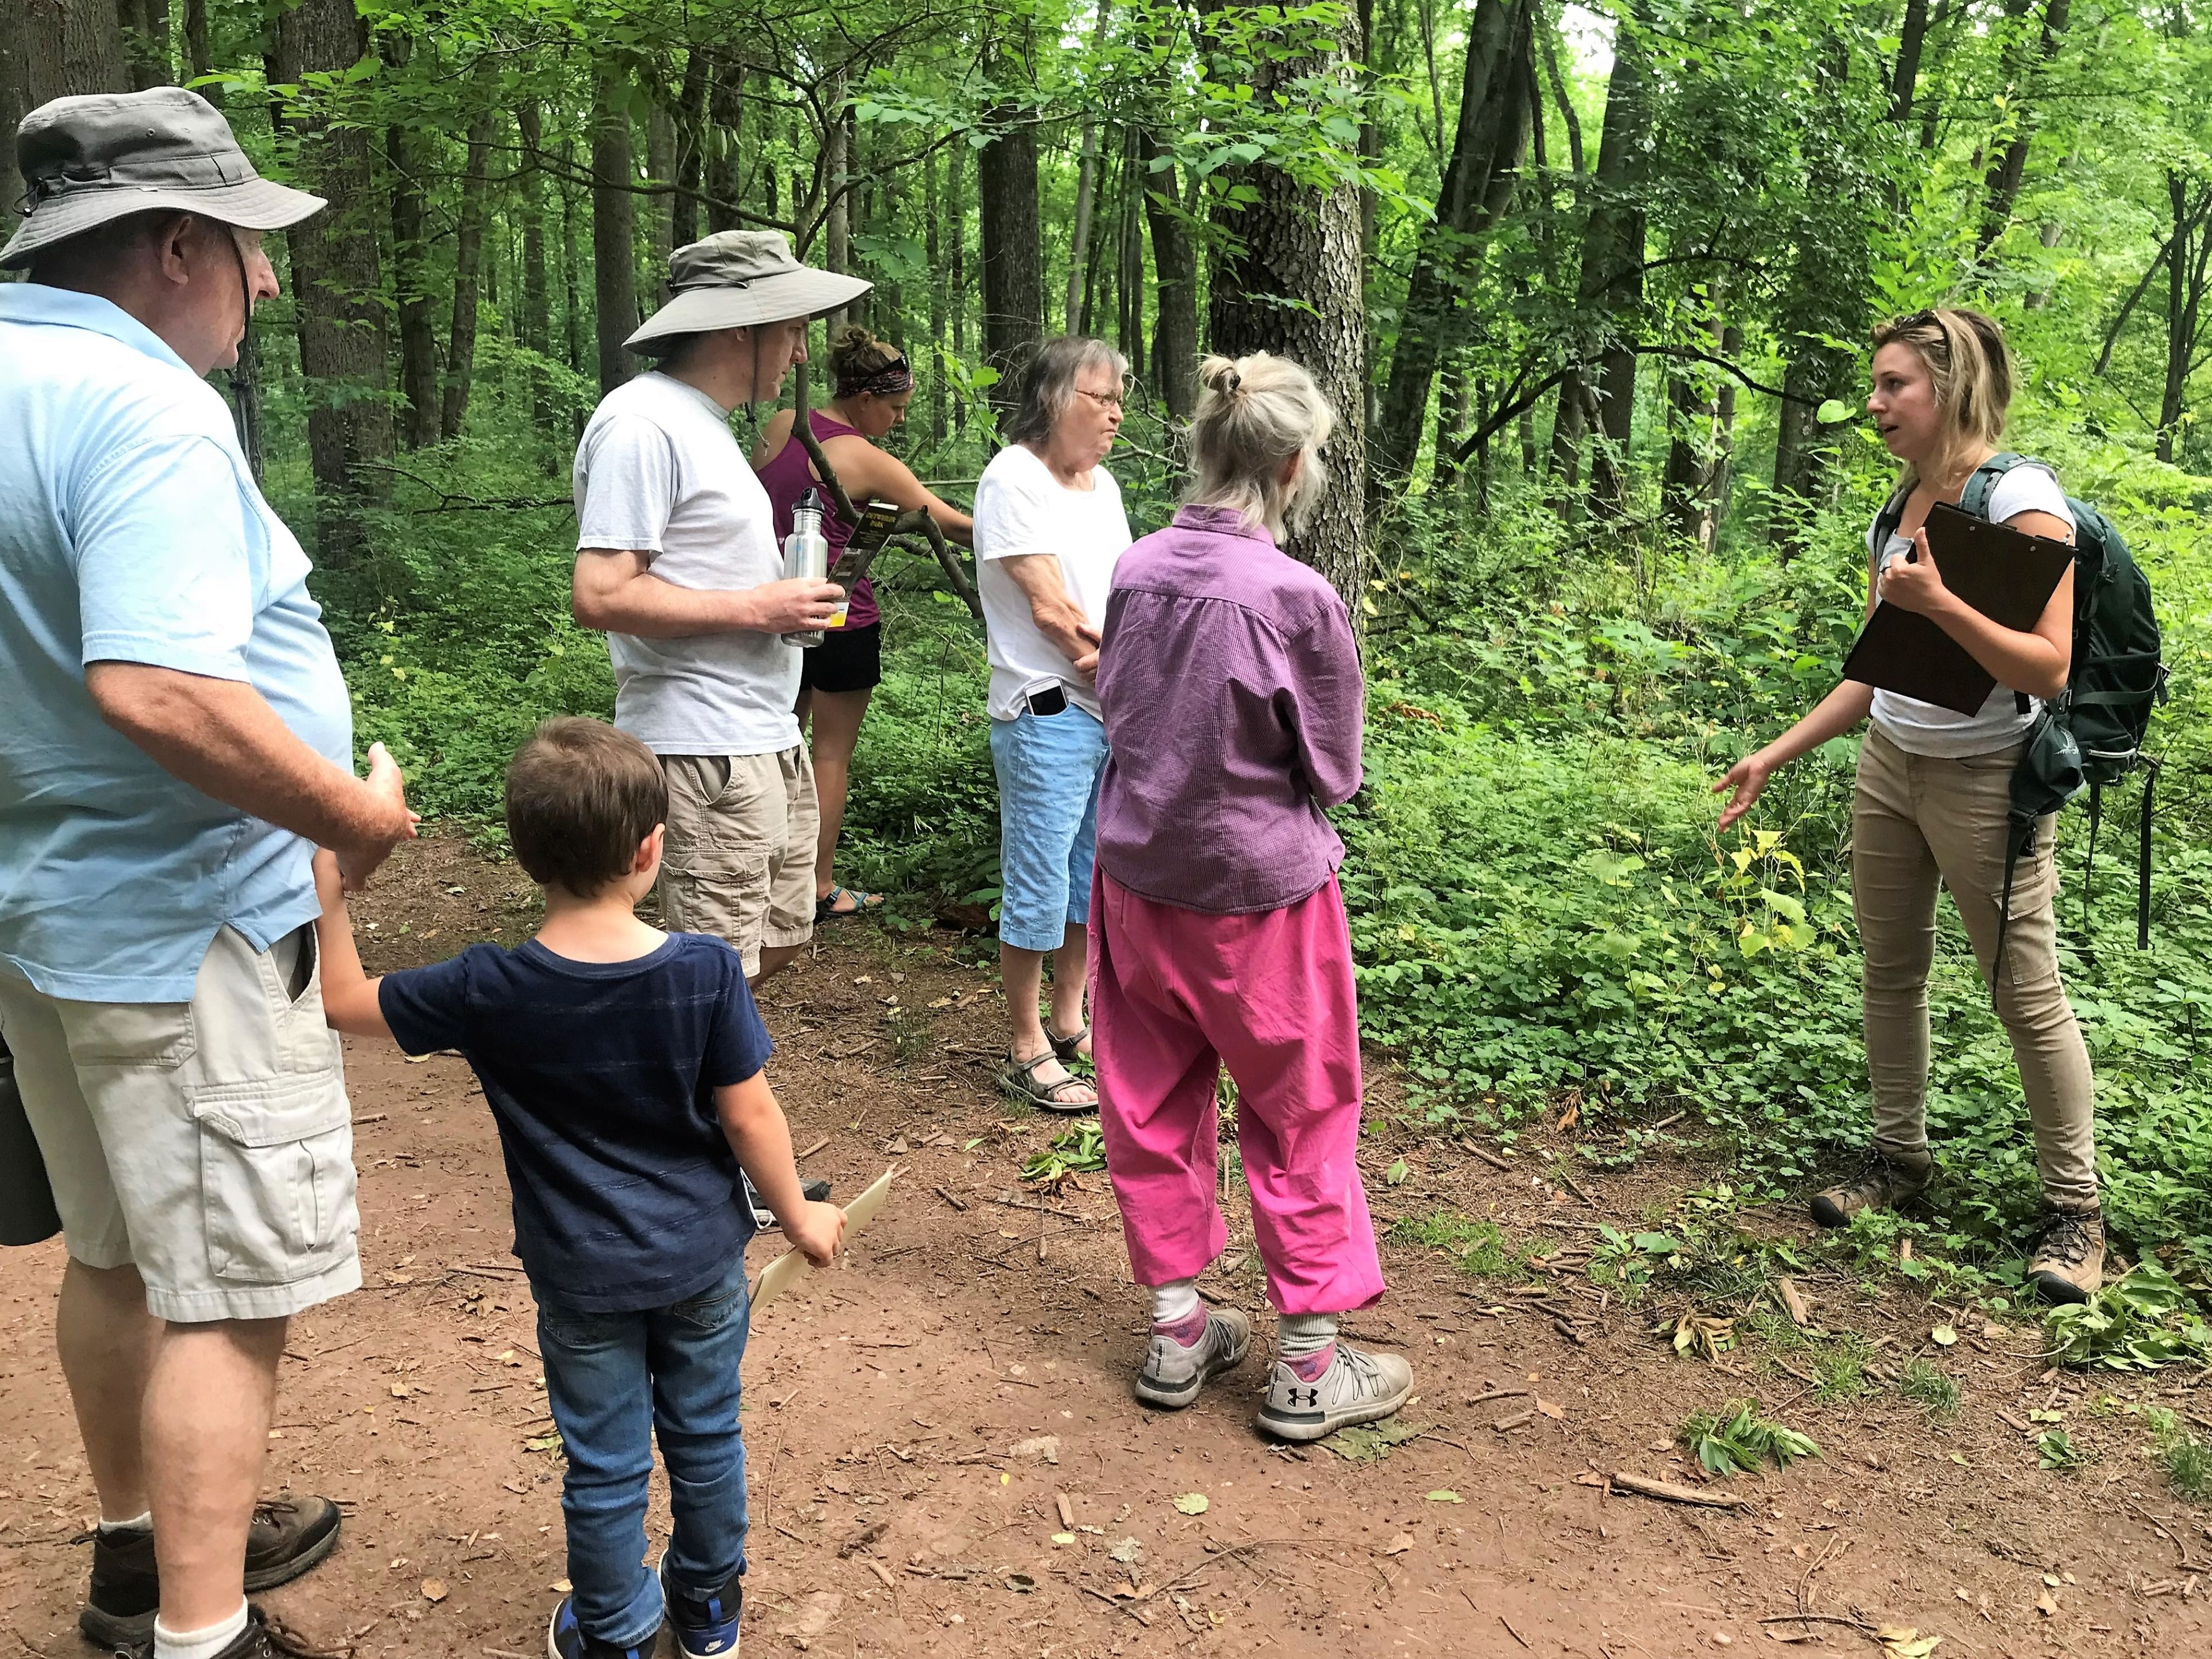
(132, 531)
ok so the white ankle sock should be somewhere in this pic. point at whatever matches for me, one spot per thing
(198, 1643)
(135, 1523)
(1174, 1301)
(1298, 1335)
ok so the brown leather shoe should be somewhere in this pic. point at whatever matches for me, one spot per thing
(1885, 1180)
(288, 1536)
(2068, 1262)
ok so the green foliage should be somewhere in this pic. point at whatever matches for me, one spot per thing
(1077, 1149)
(2055, 1449)
(1929, 1386)
(2141, 1321)
(2186, 1459)
(1737, 1439)
(1477, 1248)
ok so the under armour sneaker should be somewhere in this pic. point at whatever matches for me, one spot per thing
(1173, 1374)
(706, 1626)
(2068, 1262)
(288, 1536)
(1356, 1387)
(1885, 1180)
(565, 1639)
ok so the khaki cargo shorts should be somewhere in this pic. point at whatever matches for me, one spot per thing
(207, 1143)
(739, 862)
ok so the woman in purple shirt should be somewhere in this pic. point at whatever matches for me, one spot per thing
(1233, 701)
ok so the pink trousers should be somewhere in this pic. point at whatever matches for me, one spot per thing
(1176, 993)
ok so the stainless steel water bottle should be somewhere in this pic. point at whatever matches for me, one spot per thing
(806, 553)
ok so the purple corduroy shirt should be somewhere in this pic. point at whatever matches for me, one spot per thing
(1234, 700)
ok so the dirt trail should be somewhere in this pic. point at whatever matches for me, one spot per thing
(914, 1420)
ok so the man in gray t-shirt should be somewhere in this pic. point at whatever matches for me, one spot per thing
(677, 560)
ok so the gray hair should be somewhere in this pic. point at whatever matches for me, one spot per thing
(1048, 384)
(1254, 415)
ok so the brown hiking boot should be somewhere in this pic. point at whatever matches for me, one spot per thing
(1885, 1180)
(2068, 1262)
(288, 1536)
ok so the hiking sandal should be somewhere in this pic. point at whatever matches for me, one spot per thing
(825, 907)
(1067, 1048)
(1019, 1082)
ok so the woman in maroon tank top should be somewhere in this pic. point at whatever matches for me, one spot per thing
(872, 383)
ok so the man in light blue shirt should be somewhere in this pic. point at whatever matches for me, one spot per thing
(178, 740)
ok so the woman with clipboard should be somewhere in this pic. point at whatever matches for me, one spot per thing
(1933, 790)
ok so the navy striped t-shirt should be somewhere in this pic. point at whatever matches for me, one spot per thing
(601, 1076)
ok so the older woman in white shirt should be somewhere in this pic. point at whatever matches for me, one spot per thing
(1048, 528)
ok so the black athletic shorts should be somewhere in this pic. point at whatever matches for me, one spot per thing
(848, 660)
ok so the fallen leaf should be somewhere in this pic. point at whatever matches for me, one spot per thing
(1369, 1443)
(434, 1589)
(1943, 1336)
(1063, 1538)
(1793, 1301)
(813, 1614)
(1128, 1550)
(1445, 1495)
(400, 1391)
(2046, 1604)
(1044, 1446)
(1399, 1545)
(1191, 1502)
(1557, 1413)
(560, 1586)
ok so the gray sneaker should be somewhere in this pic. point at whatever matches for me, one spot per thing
(1173, 1374)
(1885, 1180)
(1358, 1386)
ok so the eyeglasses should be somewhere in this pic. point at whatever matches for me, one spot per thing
(1106, 400)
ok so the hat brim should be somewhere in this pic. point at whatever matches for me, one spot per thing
(778, 298)
(254, 204)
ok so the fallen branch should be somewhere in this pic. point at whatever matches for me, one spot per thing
(1674, 1494)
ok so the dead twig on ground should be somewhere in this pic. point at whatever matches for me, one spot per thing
(1673, 1494)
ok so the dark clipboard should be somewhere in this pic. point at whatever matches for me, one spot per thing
(2005, 574)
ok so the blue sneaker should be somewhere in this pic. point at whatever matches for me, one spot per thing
(706, 1626)
(565, 1639)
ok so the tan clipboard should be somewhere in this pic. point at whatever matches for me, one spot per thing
(780, 1274)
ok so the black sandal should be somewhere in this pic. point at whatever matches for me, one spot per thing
(1019, 1082)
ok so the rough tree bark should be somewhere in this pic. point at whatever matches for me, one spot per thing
(468, 256)
(2001, 189)
(690, 147)
(1174, 268)
(2188, 269)
(1288, 279)
(725, 112)
(1013, 253)
(1613, 262)
(614, 233)
(146, 42)
(68, 47)
(337, 284)
(537, 302)
(932, 235)
(1492, 117)
(409, 155)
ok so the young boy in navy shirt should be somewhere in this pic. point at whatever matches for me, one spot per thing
(623, 1067)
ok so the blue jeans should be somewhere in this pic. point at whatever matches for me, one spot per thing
(613, 1380)
(1049, 767)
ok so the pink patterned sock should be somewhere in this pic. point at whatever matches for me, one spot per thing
(1185, 1333)
(1309, 1367)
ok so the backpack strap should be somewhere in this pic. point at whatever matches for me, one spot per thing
(1985, 478)
(1885, 523)
(2142, 860)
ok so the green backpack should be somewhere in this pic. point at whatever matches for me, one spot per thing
(2091, 734)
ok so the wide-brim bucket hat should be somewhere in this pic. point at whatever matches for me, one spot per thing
(740, 278)
(104, 155)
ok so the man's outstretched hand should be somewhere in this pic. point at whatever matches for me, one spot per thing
(384, 822)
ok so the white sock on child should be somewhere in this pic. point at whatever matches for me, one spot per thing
(1299, 1336)
(198, 1643)
(1174, 1301)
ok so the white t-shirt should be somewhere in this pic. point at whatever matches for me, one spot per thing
(1020, 508)
(1926, 728)
(658, 472)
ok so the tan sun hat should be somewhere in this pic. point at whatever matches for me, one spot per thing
(737, 279)
(102, 156)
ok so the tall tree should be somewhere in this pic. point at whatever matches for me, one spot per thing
(537, 302)
(725, 112)
(146, 42)
(337, 281)
(408, 150)
(1493, 115)
(1174, 267)
(2001, 189)
(468, 254)
(614, 233)
(1086, 186)
(690, 147)
(69, 47)
(1288, 279)
(2188, 273)
(933, 234)
(1013, 251)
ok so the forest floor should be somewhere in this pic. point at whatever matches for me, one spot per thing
(946, 1458)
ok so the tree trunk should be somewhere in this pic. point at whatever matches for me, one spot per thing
(690, 150)
(15, 104)
(1613, 262)
(1086, 184)
(933, 248)
(337, 284)
(535, 302)
(1013, 253)
(1456, 384)
(146, 42)
(1693, 452)
(613, 235)
(69, 47)
(1492, 117)
(2001, 189)
(837, 169)
(571, 262)
(956, 231)
(198, 61)
(1288, 279)
(661, 168)
(2187, 270)
(409, 155)
(468, 252)
(725, 111)
(1174, 268)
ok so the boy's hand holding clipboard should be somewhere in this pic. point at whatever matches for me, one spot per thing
(2007, 575)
